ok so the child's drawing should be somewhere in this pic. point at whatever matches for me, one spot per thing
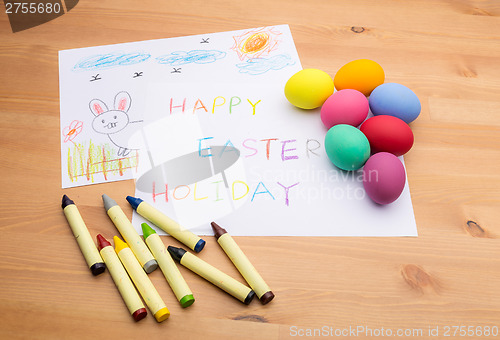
(256, 43)
(105, 146)
(116, 123)
(261, 65)
(109, 60)
(71, 131)
(196, 56)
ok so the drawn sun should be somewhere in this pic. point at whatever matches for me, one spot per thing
(256, 43)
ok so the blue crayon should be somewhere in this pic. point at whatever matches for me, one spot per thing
(166, 224)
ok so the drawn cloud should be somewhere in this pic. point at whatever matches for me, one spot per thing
(109, 60)
(258, 66)
(195, 56)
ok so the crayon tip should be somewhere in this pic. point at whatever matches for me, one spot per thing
(199, 245)
(97, 268)
(102, 242)
(108, 202)
(119, 244)
(150, 266)
(147, 230)
(176, 253)
(187, 301)
(134, 201)
(140, 314)
(66, 201)
(162, 314)
(218, 231)
(267, 297)
(249, 297)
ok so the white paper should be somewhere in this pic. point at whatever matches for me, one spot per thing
(276, 181)
(115, 114)
(96, 134)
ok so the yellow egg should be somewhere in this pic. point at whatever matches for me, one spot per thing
(363, 75)
(309, 88)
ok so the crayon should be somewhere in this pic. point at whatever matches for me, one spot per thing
(241, 262)
(212, 274)
(168, 266)
(130, 235)
(141, 280)
(121, 279)
(166, 224)
(82, 235)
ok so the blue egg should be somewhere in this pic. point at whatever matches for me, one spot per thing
(396, 100)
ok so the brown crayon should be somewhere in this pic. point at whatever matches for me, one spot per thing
(242, 263)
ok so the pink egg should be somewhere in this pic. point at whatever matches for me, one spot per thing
(345, 107)
(384, 177)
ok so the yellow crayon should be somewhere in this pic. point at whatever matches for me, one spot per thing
(121, 279)
(82, 235)
(168, 225)
(141, 280)
(243, 264)
(212, 274)
(126, 229)
(167, 266)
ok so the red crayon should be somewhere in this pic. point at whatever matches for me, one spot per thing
(121, 279)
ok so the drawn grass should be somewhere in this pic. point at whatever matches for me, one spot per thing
(90, 161)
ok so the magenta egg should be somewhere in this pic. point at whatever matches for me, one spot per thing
(384, 177)
(345, 107)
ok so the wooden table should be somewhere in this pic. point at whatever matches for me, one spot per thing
(444, 282)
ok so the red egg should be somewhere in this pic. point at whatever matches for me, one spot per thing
(388, 134)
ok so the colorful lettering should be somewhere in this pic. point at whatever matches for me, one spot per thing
(253, 106)
(160, 193)
(318, 145)
(287, 203)
(175, 191)
(196, 107)
(246, 185)
(231, 149)
(215, 101)
(172, 106)
(268, 145)
(194, 194)
(231, 105)
(266, 191)
(200, 148)
(217, 190)
(283, 150)
(248, 147)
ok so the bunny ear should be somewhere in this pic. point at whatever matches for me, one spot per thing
(97, 107)
(122, 101)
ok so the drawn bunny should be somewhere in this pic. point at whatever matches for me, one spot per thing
(116, 123)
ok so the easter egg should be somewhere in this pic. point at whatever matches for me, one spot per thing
(389, 134)
(344, 107)
(395, 100)
(347, 147)
(309, 88)
(363, 75)
(384, 177)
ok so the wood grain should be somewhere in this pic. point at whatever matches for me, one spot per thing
(446, 51)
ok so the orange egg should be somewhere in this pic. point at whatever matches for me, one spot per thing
(363, 75)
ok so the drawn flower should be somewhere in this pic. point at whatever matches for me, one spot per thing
(71, 131)
(256, 43)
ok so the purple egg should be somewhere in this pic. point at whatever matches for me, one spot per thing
(384, 177)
